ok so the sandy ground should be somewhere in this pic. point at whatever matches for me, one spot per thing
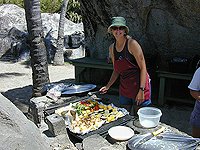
(16, 81)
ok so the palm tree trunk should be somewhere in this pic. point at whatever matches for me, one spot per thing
(59, 57)
(38, 52)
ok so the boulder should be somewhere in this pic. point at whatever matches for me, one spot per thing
(17, 132)
(12, 21)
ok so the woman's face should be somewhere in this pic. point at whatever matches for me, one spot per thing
(118, 31)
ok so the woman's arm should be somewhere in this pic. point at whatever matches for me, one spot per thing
(195, 94)
(194, 85)
(114, 75)
(136, 51)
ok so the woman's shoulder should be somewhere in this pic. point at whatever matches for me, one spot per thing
(133, 44)
(196, 75)
(197, 71)
(132, 41)
(111, 47)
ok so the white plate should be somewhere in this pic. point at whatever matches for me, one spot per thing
(121, 132)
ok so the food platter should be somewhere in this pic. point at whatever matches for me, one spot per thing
(89, 115)
(120, 133)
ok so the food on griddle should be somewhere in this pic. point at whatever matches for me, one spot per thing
(89, 115)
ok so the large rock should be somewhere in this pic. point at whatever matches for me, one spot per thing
(13, 17)
(17, 132)
(168, 27)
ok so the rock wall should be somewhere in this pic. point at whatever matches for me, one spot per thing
(166, 27)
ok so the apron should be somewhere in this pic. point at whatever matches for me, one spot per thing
(130, 77)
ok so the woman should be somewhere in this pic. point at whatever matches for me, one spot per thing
(129, 64)
(194, 87)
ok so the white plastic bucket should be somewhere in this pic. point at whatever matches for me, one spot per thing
(149, 117)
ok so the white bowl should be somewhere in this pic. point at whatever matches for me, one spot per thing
(149, 117)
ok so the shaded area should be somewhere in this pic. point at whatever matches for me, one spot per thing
(21, 96)
(177, 116)
(3, 75)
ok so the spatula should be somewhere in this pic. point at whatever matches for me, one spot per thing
(146, 137)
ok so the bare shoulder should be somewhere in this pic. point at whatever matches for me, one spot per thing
(133, 42)
(134, 47)
(111, 47)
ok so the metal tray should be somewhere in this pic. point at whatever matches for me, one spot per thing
(80, 88)
(103, 130)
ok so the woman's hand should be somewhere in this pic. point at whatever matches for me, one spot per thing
(140, 97)
(104, 90)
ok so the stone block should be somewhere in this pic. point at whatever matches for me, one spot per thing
(56, 124)
(36, 108)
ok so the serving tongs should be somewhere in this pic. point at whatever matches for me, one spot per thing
(190, 143)
(99, 99)
(93, 93)
(144, 138)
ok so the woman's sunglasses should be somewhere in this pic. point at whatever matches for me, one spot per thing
(118, 28)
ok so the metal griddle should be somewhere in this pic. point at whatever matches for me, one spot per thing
(78, 88)
(103, 130)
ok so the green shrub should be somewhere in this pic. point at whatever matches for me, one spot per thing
(73, 11)
(53, 6)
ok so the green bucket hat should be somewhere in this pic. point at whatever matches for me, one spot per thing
(118, 21)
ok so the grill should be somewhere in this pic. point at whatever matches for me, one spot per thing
(103, 130)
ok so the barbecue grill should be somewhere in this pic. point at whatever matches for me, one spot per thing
(103, 130)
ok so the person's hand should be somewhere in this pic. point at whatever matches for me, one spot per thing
(140, 97)
(103, 90)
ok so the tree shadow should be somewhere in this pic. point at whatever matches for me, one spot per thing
(21, 97)
(22, 94)
(5, 75)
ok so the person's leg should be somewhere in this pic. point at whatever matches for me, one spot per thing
(135, 109)
(195, 132)
(195, 120)
(126, 103)
(127, 107)
(144, 104)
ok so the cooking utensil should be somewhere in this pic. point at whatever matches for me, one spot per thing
(189, 142)
(92, 93)
(103, 100)
(78, 88)
(166, 140)
(191, 146)
(170, 136)
(57, 86)
(147, 137)
(99, 99)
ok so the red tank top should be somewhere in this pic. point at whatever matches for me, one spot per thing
(129, 75)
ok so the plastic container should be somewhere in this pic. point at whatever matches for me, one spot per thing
(149, 117)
